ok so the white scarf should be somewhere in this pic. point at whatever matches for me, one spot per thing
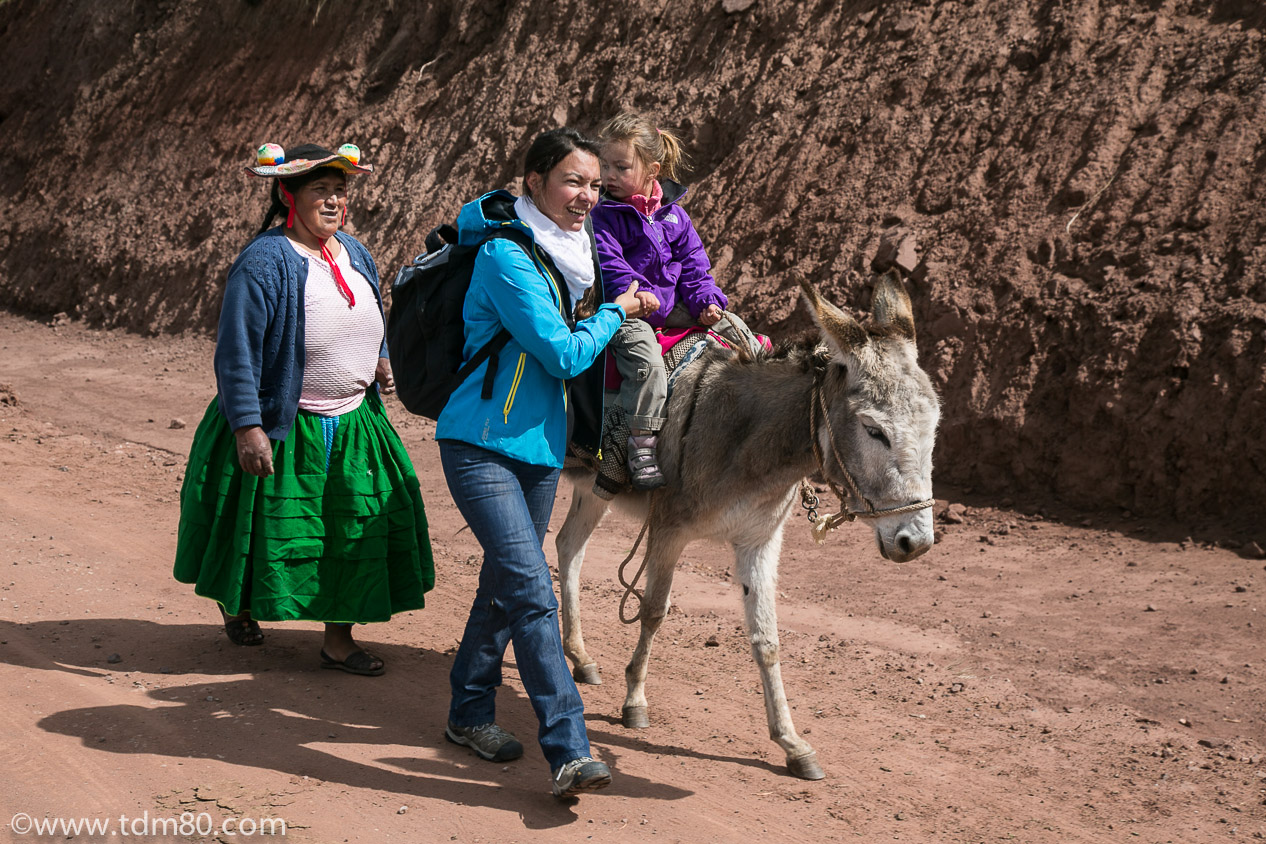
(570, 251)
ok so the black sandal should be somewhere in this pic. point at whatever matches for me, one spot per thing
(242, 630)
(357, 662)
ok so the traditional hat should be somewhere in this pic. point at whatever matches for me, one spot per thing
(271, 161)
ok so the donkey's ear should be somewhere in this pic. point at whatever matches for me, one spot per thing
(890, 305)
(839, 329)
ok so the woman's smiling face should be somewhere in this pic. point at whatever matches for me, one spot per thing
(319, 204)
(568, 192)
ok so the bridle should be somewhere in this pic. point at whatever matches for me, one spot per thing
(809, 499)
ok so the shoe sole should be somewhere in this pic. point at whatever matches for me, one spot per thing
(491, 757)
(593, 783)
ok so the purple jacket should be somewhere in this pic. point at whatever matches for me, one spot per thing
(662, 253)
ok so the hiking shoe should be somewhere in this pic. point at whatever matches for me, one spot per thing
(583, 774)
(644, 471)
(487, 740)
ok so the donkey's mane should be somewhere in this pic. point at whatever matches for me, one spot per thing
(807, 352)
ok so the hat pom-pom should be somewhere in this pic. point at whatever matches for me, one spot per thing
(270, 154)
(351, 152)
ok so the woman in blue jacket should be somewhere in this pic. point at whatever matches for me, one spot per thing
(299, 500)
(502, 455)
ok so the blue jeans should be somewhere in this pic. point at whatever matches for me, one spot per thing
(507, 504)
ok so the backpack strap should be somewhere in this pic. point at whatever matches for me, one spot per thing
(439, 236)
(490, 351)
(542, 260)
(593, 247)
(492, 348)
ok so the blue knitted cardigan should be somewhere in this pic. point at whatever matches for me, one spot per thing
(259, 352)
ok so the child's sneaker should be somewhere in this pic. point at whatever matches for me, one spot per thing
(644, 472)
(578, 775)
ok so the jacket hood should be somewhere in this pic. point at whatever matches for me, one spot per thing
(492, 211)
(673, 193)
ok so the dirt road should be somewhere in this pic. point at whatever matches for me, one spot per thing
(1043, 678)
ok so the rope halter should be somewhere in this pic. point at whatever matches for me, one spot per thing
(809, 500)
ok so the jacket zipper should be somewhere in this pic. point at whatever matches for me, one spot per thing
(557, 295)
(556, 289)
(514, 386)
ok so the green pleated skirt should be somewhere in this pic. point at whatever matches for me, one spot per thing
(337, 533)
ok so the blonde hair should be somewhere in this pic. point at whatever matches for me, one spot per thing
(650, 144)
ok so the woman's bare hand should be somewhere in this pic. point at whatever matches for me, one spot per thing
(254, 451)
(382, 374)
(633, 305)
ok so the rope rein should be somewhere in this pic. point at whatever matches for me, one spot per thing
(630, 587)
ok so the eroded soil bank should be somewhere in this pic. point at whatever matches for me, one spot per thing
(1078, 185)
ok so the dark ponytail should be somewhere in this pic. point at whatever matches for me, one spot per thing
(276, 207)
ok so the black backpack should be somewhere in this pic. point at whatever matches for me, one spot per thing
(425, 327)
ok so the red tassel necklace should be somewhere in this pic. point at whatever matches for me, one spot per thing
(325, 253)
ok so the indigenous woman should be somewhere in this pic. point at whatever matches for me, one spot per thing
(299, 501)
(502, 446)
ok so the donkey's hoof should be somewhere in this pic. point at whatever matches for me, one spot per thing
(806, 767)
(587, 674)
(635, 717)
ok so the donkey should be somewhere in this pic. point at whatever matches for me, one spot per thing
(742, 434)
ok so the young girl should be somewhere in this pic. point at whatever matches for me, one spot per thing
(643, 235)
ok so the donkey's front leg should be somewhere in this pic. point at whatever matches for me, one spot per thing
(583, 517)
(662, 551)
(758, 572)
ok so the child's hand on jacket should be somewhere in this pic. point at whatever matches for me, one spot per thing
(711, 315)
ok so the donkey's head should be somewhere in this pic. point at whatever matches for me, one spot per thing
(880, 417)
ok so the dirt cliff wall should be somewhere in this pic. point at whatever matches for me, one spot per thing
(1076, 186)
